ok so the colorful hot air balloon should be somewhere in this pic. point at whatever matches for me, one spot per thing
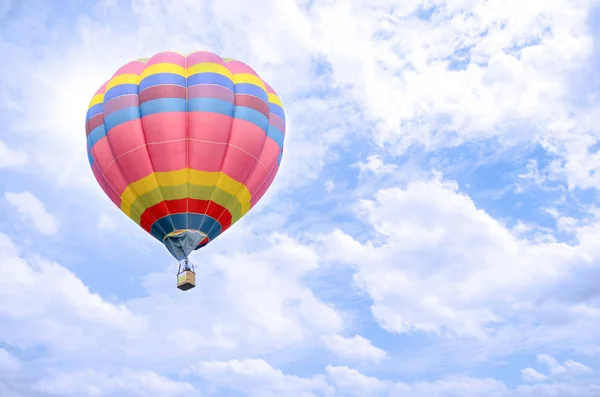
(185, 146)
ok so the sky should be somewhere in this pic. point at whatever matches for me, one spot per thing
(433, 231)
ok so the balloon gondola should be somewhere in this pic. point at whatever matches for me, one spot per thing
(185, 146)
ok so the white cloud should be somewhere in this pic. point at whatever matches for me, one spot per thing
(254, 302)
(350, 381)
(569, 367)
(375, 165)
(255, 377)
(11, 158)
(127, 383)
(530, 375)
(438, 264)
(356, 347)
(33, 211)
(445, 264)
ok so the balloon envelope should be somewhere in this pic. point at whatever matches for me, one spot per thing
(185, 145)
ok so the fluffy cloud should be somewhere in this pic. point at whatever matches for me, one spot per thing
(356, 347)
(127, 383)
(438, 264)
(34, 212)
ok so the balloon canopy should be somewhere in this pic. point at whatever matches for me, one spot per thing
(185, 145)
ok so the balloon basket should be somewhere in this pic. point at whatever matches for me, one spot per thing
(186, 278)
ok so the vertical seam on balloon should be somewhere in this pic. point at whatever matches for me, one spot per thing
(92, 151)
(243, 182)
(187, 145)
(118, 164)
(162, 196)
(130, 183)
(269, 172)
(222, 160)
(109, 185)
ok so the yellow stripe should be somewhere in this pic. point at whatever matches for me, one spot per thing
(247, 78)
(174, 178)
(185, 190)
(209, 67)
(228, 59)
(275, 99)
(123, 79)
(96, 99)
(144, 60)
(164, 67)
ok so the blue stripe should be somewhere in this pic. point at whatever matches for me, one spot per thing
(253, 116)
(210, 78)
(251, 89)
(276, 109)
(162, 78)
(120, 90)
(212, 105)
(161, 227)
(205, 224)
(275, 134)
(121, 116)
(94, 110)
(162, 105)
(94, 136)
(90, 158)
(279, 158)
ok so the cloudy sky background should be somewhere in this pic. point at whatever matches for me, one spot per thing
(433, 230)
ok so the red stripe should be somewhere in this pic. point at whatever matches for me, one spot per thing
(182, 206)
(94, 122)
(162, 91)
(252, 102)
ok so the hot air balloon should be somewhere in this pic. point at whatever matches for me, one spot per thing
(185, 146)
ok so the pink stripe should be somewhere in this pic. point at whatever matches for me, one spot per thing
(208, 126)
(270, 154)
(246, 143)
(238, 67)
(167, 57)
(102, 153)
(126, 137)
(104, 186)
(168, 156)
(121, 102)
(263, 189)
(203, 56)
(277, 122)
(237, 164)
(247, 136)
(136, 164)
(114, 179)
(133, 67)
(256, 179)
(161, 127)
(166, 135)
(104, 158)
(206, 156)
(211, 91)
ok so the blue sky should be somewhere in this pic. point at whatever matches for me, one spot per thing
(433, 229)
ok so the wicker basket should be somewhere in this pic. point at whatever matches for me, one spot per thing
(186, 280)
